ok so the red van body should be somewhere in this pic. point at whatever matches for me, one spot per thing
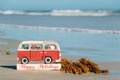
(47, 51)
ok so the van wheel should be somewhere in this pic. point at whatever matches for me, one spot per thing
(24, 61)
(47, 60)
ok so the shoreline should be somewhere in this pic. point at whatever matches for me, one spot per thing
(11, 45)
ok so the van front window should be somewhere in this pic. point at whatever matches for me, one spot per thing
(50, 47)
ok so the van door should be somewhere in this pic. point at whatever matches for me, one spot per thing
(36, 52)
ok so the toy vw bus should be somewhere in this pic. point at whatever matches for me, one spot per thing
(47, 51)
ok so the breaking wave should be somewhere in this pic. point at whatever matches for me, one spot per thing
(93, 31)
(62, 13)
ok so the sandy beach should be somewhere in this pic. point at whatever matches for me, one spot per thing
(87, 32)
(8, 68)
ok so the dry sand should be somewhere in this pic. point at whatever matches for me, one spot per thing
(8, 69)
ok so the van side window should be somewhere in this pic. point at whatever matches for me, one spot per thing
(50, 47)
(25, 46)
(36, 46)
(46, 47)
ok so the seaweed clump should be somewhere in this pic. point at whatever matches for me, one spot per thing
(8, 53)
(83, 65)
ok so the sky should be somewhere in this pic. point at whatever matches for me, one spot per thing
(59, 4)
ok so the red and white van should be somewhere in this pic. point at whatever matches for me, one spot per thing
(47, 51)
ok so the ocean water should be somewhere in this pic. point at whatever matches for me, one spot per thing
(91, 34)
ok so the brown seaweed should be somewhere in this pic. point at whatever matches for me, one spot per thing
(83, 65)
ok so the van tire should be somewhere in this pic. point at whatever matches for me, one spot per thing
(24, 61)
(47, 60)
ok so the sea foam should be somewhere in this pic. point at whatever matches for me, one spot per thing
(62, 13)
(93, 31)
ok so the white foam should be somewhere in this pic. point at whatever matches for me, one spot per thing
(59, 13)
(10, 12)
(93, 31)
(79, 13)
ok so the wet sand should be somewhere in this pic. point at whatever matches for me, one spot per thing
(8, 68)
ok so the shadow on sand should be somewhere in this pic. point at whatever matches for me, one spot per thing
(9, 66)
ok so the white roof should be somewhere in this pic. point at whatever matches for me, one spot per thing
(40, 42)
